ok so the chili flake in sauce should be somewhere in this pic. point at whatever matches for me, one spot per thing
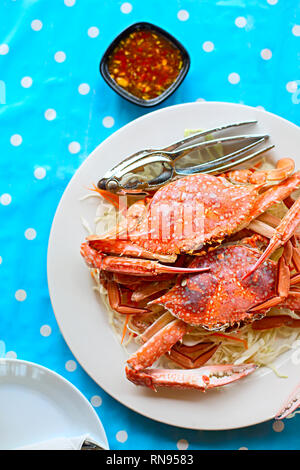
(145, 64)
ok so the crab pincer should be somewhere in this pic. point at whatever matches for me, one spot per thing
(135, 266)
(290, 405)
(201, 379)
(283, 233)
(138, 368)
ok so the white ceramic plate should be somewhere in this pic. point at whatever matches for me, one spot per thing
(36, 404)
(82, 317)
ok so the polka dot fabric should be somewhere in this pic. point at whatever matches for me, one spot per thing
(55, 109)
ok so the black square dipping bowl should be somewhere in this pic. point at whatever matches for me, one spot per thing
(148, 75)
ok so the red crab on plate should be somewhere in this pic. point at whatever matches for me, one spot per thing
(200, 249)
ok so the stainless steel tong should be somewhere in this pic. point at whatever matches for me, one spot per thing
(127, 175)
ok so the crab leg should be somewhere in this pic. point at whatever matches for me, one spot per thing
(292, 302)
(203, 352)
(269, 219)
(288, 252)
(140, 267)
(295, 279)
(289, 201)
(284, 168)
(258, 226)
(275, 321)
(181, 354)
(283, 233)
(136, 282)
(140, 322)
(290, 405)
(115, 299)
(292, 253)
(137, 368)
(202, 379)
(295, 255)
(156, 326)
(276, 194)
(150, 289)
(266, 225)
(123, 247)
(160, 343)
(131, 282)
(283, 282)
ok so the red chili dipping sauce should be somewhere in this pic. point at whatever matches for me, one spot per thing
(145, 64)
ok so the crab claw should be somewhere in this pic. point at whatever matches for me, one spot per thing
(282, 234)
(201, 379)
(135, 266)
(290, 405)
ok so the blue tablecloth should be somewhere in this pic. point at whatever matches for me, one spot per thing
(55, 109)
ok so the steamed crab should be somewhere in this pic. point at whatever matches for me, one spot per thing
(174, 244)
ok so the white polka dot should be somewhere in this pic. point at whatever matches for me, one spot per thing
(292, 86)
(36, 25)
(183, 15)
(122, 436)
(182, 444)
(69, 3)
(16, 140)
(39, 173)
(272, 2)
(108, 121)
(4, 48)
(93, 32)
(240, 22)
(20, 295)
(30, 233)
(243, 448)
(50, 114)
(11, 355)
(59, 56)
(234, 78)
(74, 147)
(278, 426)
(126, 7)
(71, 366)
(266, 54)
(296, 30)
(5, 199)
(84, 88)
(96, 401)
(208, 46)
(200, 99)
(26, 82)
(1, 259)
(45, 330)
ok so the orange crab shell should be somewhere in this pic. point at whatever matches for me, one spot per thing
(220, 297)
(189, 212)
